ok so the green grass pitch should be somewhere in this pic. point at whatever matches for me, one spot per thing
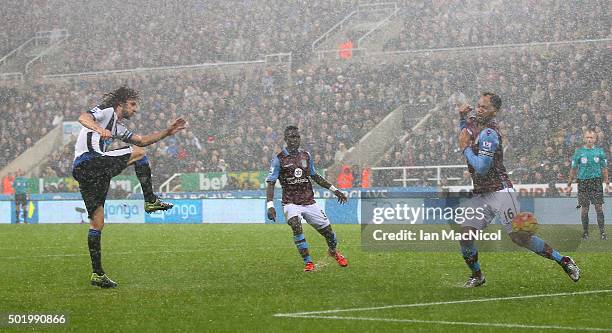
(235, 278)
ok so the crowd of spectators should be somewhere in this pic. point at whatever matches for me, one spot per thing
(26, 116)
(236, 122)
(550, 97)
(169, 33)
(236, 119)
(20, 20)
(460, 23)
(198, 31)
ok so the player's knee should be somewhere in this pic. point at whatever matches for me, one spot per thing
(520, 238)
(96, 220)
(137, 153)
(465, 236)
(326, 230)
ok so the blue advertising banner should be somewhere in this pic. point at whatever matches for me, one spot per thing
(73, 211)
(32, 212)
(341, 214)
(124, 211)
(357, 210)
(233, 211)
(5, 212)
(184, 211)
(563, 210)
(62, 212)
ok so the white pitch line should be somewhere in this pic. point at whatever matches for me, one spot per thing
(476, 300)
(442, 322)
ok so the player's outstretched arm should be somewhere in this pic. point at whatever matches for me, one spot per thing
(270, 201)
(145, 140)
(324, 183)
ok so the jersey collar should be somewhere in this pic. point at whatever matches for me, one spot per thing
(286, 152)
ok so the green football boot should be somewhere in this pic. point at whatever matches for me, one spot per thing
(102, 281)
(156, 205)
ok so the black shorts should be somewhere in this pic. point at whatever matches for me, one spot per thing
(590, 191)
(94, 178)
(21, 199)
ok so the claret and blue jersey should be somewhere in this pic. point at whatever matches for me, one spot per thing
(294, 172)
(485, 158)
(488, 140)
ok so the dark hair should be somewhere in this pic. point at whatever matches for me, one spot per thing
(118, 96)
(290, 128)
(495, 99)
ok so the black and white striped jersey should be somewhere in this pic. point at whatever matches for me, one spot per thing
(89, 141)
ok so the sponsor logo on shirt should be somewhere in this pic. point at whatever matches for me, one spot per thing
(298, 172)
(294, 181)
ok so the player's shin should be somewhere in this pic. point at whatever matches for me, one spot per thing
(601, 221)
(470, 255)
(330, 238)
(302, 246)
(143, 172)
(584, 216)
(537, 245)
(95, 250)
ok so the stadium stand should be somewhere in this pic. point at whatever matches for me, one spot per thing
(550, 93)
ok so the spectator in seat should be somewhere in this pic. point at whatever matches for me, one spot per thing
(345, 178)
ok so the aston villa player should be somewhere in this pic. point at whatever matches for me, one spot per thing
(295, 170)
(481, 141)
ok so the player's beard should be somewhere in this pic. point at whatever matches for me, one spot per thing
(483, 120)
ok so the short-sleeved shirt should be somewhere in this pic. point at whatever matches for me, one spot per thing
(294, 172)
(89, 143)
(21, 184)
(589, 162)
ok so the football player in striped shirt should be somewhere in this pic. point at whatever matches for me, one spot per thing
(94, 164)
